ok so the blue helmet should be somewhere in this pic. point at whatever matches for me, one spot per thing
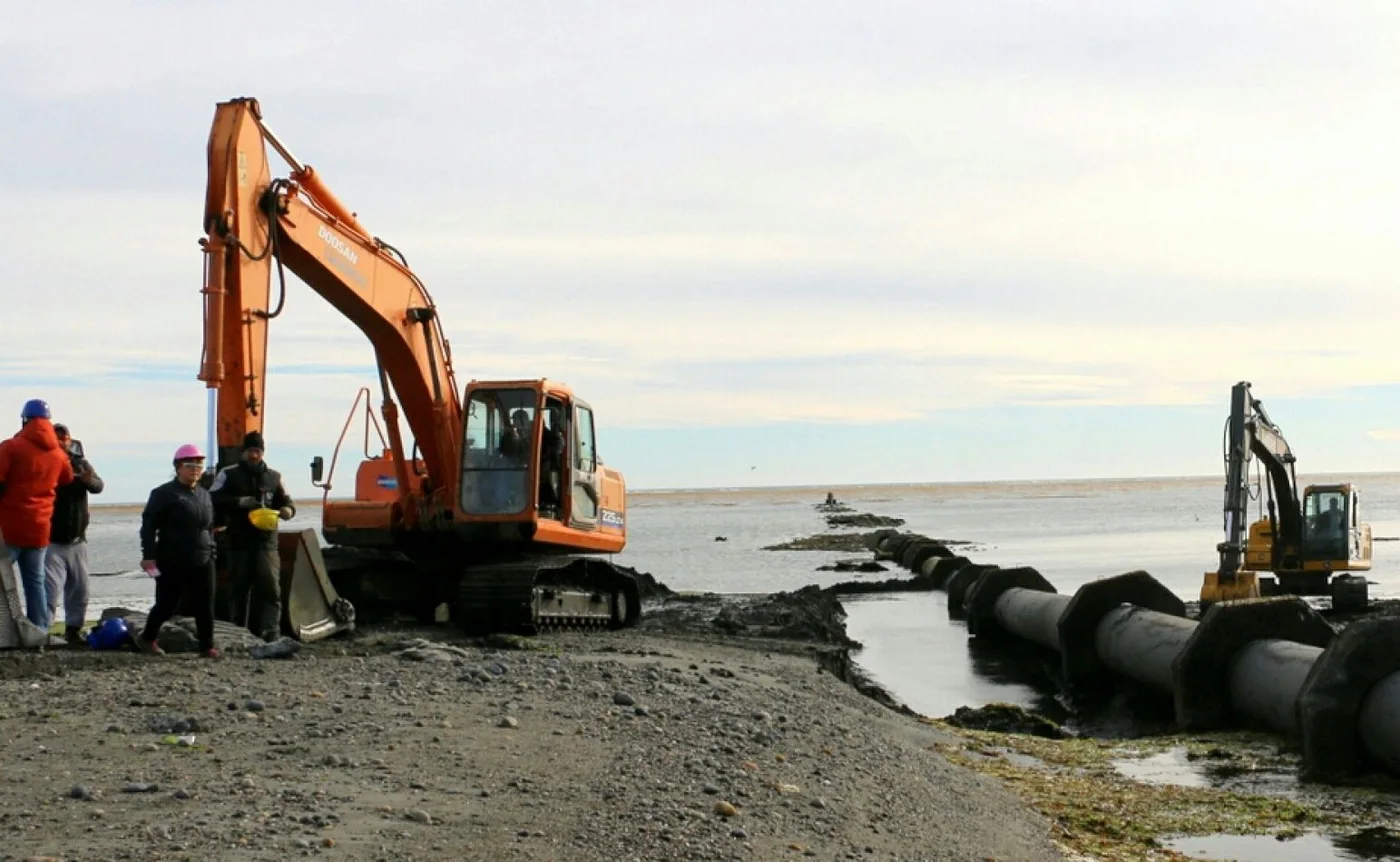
(111, 634)
(35, 408)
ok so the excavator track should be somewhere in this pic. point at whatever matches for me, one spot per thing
(547, 595)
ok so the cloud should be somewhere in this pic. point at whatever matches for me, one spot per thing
(757, 214)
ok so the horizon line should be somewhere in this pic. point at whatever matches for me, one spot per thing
(833, 486)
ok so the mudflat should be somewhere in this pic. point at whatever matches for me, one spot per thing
(411, 743)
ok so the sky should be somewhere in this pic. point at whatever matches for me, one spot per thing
(770, 243)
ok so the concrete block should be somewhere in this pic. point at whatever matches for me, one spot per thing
(1349, 593)
(925, 551)
(891, 547)
(906, 554)
(1201, 671)
(1329, 703)
(940, 569)
(957, 586)
(872, 541)
(980, 599)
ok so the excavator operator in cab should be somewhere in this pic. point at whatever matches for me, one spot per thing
(1327, 531)
(1330, 521)
(515, 440)
(552, 461)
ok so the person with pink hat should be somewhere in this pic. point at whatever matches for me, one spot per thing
(177, 549)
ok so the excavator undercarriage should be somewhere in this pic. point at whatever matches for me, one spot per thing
(520, 596)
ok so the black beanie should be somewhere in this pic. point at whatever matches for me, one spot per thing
(252, 440)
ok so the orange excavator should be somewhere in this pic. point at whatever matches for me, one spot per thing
(498, 513)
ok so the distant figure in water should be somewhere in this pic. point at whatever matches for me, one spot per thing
(830, 499)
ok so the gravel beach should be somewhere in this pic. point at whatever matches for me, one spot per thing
(412, 743)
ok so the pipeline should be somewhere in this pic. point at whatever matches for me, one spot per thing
(1272, 663)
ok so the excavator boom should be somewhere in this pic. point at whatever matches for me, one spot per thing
(252, 221)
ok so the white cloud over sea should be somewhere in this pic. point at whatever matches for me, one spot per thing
(743, 214)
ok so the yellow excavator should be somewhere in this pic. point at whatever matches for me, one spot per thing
(1304, 542)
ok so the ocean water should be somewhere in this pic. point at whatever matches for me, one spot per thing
(1071, 531)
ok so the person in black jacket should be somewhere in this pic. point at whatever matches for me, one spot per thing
(177, 549)
(66, 561)
(255, 568)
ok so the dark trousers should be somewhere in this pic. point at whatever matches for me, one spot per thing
(255, 590)
(193, 584)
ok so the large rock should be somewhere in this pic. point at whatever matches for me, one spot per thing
(178, 635)
(808, 614)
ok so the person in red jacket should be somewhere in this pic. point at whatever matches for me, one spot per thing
(32, 466)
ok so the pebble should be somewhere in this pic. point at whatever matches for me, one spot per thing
(80, 791)
(507, 721)
(622, 698)
(420, 816)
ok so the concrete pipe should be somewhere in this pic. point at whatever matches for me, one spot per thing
(1142, 644)
(1031, 615)
(1273, 662)
(1204, 672)
(1377, 725)
(1265, 679)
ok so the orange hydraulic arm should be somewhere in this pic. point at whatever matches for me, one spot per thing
(252, 221)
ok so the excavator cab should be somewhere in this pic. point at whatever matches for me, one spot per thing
(1334, 537)
(529, 454)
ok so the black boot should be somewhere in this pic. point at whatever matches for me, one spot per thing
(73, 636)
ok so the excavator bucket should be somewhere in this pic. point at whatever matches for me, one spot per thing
(15, 629)
(311, 608)
(1244, 585)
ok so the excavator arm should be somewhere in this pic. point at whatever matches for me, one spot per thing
(254, 222)
(1251, 434)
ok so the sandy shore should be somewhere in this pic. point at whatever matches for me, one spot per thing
(579, 747)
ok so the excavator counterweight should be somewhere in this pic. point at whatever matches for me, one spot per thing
(484, 513)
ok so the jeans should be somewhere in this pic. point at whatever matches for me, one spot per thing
(30, 562)
(67, 567)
